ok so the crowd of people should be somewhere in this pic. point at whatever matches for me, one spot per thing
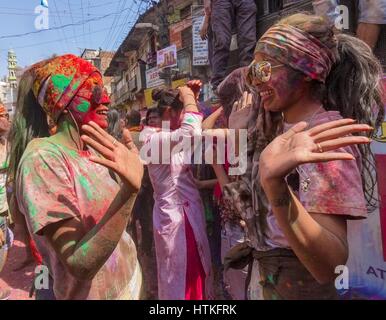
(109, 225)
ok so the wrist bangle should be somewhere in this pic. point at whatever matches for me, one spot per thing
(190, 104)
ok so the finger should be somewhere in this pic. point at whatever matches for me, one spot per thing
(330, 156)
(128, 136)
(342, 142)
(107, 153)
(341, 132)
(101, 131)
(249, 99)
(104, 162)
(97, 136)
(245, 99)
(132, 147)
(329, 125)
(299, 127)
(235, 106)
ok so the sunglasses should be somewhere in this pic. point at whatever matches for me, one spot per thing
(260, 72)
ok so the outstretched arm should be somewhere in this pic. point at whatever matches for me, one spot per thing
(310, 235)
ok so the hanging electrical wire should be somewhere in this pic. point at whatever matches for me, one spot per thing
(63, 26)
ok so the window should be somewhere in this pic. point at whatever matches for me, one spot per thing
(185, 12)
(186, 36)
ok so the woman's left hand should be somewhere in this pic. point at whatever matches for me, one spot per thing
(298, 146)
(122, 159)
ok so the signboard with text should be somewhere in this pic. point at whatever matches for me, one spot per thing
(200, 47)
(167, 57)
(153, 79)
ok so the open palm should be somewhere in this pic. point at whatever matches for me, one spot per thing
(298, 146)
(122, 159)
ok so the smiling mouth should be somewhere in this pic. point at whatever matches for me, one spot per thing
(102, 112)
(266, 93)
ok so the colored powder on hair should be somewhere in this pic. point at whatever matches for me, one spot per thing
(83, 107)
(60, 81)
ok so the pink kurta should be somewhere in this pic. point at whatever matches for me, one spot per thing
(176, 196)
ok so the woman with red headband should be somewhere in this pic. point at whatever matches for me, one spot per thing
(307, 182)
(75, 188)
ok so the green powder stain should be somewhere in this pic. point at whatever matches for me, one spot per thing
(26, 170)
(190, 120)
(32, 209)
(60, 81)
(76, 85)
(83, 107)
(72, 153)
(85, 184)
(85, 247)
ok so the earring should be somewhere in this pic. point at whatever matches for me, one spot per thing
(308, 79)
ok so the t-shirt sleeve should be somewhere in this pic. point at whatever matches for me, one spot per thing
(45, 189)
(333, 187)
(372, 11)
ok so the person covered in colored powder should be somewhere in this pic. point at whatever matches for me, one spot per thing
(141, 226)
(182, 248)
(307, 182)
(75, 188)
(5, 232)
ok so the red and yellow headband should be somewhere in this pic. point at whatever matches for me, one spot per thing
(57, 81)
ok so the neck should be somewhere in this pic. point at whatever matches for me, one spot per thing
(302, 110)
(68, 135)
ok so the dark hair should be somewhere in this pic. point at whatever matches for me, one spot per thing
(30, 122)
(353, 87)
(231, 89)
(133, 118)
(114, 127)
(166, 98)
(149, 112)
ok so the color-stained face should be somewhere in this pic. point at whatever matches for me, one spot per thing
(91, 103)
(283, 88)
(5, 124)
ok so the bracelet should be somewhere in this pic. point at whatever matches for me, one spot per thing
(190, 104)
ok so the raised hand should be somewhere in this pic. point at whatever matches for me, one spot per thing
(241, 112)
(298, 146)
(124, 160)
(195, 86)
